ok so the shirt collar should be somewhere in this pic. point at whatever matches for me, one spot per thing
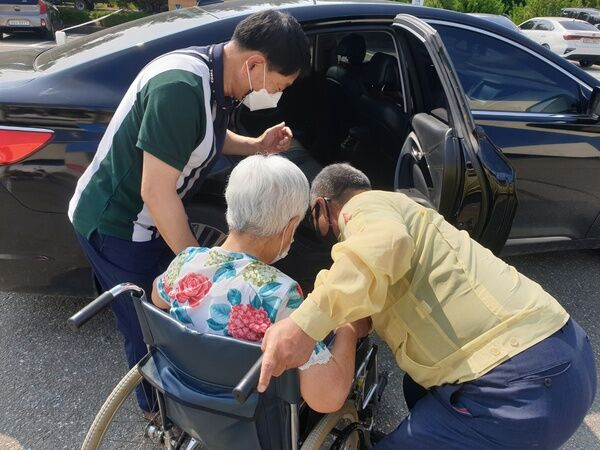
(217, 67)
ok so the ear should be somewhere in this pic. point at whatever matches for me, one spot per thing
(254, 59)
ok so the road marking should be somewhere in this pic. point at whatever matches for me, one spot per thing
(42, 44)
(593, 422)
(9, 443)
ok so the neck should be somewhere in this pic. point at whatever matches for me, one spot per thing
(346, 196)
(232, 59)
(248, 243)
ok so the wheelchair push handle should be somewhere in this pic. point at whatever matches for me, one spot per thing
(247, 384)
(101, 302)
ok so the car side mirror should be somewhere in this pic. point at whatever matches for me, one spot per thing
(594, 105)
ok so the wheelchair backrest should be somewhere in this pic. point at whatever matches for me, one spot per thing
(196, 372)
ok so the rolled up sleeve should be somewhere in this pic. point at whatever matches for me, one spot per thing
(364, 266)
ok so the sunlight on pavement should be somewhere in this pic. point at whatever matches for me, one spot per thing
(8, 443)
(593, 422)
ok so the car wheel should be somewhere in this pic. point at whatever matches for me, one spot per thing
(585, 63)
(208, 224)
(81, 5)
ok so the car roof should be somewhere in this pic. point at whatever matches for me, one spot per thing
(558, 19)
(95, 56)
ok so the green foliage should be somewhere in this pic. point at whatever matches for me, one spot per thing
(519, 10)
(542, 8)
(481, 6)
(71, 16)
(151, 6)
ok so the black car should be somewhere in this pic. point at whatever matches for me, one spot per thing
(591, 15)
(458, 112)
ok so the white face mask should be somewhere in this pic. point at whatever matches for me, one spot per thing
(283, 254)
(256, 100)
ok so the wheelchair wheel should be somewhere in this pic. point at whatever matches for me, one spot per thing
(322, 435)
(120, 424)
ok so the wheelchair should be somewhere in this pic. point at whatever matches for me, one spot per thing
(204, 397)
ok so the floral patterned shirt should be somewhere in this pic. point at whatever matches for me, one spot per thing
(231, 294)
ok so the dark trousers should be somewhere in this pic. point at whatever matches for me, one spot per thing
(117, 261)
(537, 399)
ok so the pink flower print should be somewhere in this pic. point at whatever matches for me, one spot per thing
(247, 322)
(192, 288)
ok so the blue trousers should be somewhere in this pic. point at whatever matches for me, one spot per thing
(537, 399)
(117, 261)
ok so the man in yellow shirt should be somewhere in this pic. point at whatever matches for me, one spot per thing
(492, 360)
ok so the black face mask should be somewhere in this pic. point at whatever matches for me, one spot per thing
(330, 238)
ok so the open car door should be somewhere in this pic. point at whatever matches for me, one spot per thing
(447, 162)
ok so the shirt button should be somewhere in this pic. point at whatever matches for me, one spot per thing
(495, 351)
(514, 342)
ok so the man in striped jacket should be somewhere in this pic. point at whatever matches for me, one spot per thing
(163, 139)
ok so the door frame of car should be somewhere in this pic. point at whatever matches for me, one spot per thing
(488, 175)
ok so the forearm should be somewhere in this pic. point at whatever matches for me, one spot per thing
(325, 387)
(170, 218)
(156, 297)
(238, 145)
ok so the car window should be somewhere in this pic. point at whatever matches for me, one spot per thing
(544, 25)
(527, 25)
(580, 26)
(376, 42)
(497, 76)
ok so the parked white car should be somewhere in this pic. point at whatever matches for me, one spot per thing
(572, 39)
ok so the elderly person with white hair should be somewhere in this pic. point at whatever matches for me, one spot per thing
(233, 290)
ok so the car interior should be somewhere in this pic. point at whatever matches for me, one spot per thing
(356, 104)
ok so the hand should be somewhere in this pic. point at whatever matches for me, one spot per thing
(276, 139)
(285, 346)
(362, 327)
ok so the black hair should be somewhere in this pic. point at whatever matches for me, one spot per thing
(279, 37)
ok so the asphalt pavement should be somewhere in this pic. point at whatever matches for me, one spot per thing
(53, 380)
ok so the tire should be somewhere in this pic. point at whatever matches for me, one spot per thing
(208, 224)
(80, 5)
(48, 34)
(121, 424)
(585, 63)
(319, 434)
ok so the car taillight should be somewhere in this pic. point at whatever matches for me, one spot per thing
(18, 144)
(572, 37)
(43, 9)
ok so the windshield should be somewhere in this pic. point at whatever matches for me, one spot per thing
(580, 26)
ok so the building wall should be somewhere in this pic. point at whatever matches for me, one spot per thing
(176, 4)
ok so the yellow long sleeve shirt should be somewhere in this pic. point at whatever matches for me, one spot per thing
(449, 309)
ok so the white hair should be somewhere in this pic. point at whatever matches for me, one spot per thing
(264, 193)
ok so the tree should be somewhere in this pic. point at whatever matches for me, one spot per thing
(469, 6)
(542, 8)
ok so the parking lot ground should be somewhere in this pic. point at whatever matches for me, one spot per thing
(53, 380)
(18, 41)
